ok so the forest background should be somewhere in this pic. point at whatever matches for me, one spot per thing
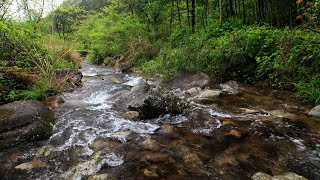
(262, 42)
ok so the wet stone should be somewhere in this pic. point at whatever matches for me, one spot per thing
(286, 176)
(248, 111)
(117, 80)
(134, 115)
(99, 177)
(281, 113)
(36, 163)
(156, 157)
(261, 176)
(167, 129)
(193, 163)
(100, 144)
(193, 91)
(231, 87)
(233, 133)
(228, 122)
(150, 144)
(46, 152)
(151, 172)
(315, 111)
(207, 95)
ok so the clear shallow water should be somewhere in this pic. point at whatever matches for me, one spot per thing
(87, 115)
(92, 136)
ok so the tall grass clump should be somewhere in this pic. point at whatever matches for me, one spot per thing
(32, 56)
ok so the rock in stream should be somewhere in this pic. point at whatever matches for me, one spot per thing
(24, 121)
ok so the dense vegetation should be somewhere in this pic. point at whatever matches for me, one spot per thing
(250, 41)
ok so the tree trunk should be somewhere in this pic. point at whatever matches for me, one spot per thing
(193, 15)
(231, 8)
(220, 10)
(188, 13)
(244, 12)
(178, 9)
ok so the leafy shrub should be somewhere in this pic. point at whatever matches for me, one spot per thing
(25, 51)
(284, 58)
(108, 34)
(309, 90)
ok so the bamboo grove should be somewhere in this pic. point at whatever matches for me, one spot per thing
(198, 13)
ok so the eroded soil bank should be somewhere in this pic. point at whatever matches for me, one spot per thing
(228, 137)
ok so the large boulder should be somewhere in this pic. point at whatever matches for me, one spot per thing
(315, 111)
(24, 121)
(157, 102)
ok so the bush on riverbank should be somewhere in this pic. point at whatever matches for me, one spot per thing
(108, 34)
(286, 59)
(28, 61)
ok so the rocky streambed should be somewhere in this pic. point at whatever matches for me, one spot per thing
(119, 126)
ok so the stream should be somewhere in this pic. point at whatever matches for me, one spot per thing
(234, 137)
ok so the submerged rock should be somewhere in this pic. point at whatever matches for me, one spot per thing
(92, 166)
(32, 164)
(156, 157)
(150, 144)
(248, 111)
(193, 163)
(261, 176)
(167, 129)
(24, 121)
(233, 133)
(99, 177)
(315, 111)
(151, 172)
(286, 176)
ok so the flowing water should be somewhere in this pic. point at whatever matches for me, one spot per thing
(232, 138)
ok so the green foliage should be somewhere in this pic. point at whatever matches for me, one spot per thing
(18, 45)
(23, 50)
(67, 19)
(248, 53)
(44, 87)
(108, 34)
(166, 64)
(309, 90)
